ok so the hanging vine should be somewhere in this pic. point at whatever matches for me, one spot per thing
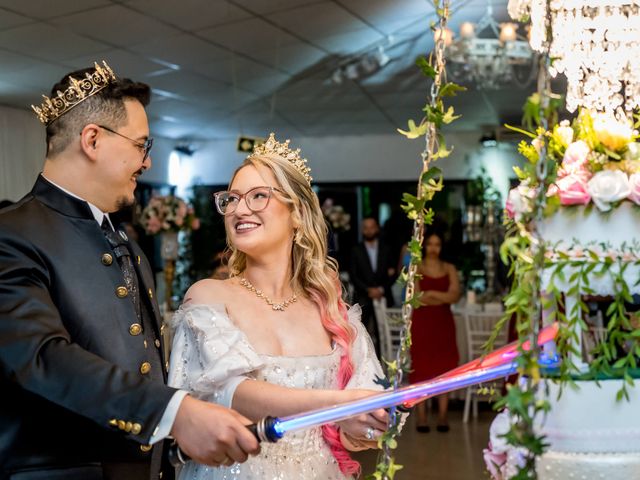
(524, 249)
(416, 207)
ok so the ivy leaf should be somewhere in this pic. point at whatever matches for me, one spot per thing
(433, 173)
(393, 468)
(451, 89)
(415, 302)
(434, 115)
(391, 365)
(382, 381)
(531, 111)
(415, 131)
(449, 117)
(426, 68)
(412, 203)
(442, 151)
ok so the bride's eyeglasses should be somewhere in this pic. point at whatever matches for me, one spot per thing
(256, 199)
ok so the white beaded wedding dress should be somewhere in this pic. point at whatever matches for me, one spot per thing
(211, 357)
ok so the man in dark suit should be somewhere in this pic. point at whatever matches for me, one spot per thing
(372, 273)
(82, 371)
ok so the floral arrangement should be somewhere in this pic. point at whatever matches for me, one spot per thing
(594, 162)
(339, 220)
(168, 214)
(501, 458)
(597, 159)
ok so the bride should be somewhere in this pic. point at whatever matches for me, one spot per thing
(276, 338)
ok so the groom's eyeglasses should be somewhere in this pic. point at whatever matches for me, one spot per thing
(145, 147)
(257, 199)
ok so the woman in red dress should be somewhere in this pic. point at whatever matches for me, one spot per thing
(433, 331)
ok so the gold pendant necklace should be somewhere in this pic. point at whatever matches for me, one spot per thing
(275, 306)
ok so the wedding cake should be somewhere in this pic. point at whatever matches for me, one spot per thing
(592, 243)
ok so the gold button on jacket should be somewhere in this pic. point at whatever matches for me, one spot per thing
(145, 368)
(135, 329)
(136, 429)
(122, 292)
(146, 448)
(107, 259)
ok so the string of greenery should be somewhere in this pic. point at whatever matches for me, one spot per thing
(417, 209)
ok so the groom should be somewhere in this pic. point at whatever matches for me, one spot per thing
(82, 371)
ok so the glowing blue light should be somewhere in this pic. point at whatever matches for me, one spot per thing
(387, 399)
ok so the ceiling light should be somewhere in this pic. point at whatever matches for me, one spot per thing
(361, 66)
(488, 54)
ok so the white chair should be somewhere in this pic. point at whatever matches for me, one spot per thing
(479, 326)
(594, 335)
(389, 321)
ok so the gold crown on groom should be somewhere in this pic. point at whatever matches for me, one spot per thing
(78, 91)
(274, 147)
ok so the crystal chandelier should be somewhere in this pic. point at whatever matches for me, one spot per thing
(488, 54)
(595, 45)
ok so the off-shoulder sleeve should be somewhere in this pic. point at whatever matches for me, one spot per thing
(363, 355)
(210, 356)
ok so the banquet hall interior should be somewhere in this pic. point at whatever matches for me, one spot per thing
(338, 78)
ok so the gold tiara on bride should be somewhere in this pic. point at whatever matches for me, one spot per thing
(78, 90)
(273, 147)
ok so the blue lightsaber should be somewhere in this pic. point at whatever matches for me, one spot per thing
(498, 364)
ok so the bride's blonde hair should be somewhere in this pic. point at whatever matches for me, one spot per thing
(314, 273)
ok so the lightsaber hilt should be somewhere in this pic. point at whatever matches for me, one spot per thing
(263, 430)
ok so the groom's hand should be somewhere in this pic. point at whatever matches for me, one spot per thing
(213, 435)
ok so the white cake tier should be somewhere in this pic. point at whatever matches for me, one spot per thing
(591, 466)
(578, 224)
(612, 233)
(590, 420)
(600, 285)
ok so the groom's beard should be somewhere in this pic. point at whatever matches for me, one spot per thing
(124, 202)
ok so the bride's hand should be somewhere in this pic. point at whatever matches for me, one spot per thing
(362, 431)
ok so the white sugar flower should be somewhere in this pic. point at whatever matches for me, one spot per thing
(607, 187)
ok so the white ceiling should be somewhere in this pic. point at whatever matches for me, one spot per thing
(220, 68)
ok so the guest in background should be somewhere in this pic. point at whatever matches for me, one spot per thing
(433, 331)
(372, 272)
(219, 267)
(398, 289)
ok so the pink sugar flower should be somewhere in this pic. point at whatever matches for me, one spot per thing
(573, 190)
(495, 462)
(634, 183)
(575, 157)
